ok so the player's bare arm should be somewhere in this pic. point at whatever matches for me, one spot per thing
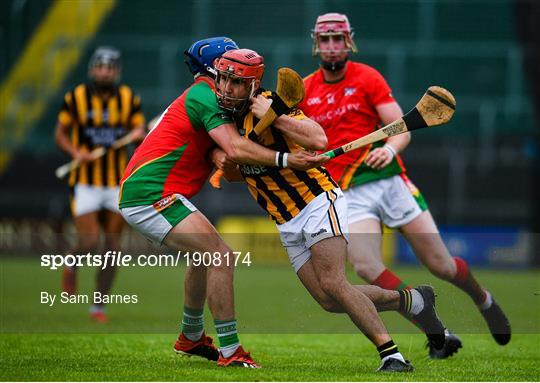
(139, 132)
(305, 132)
(63, 141)
(381, 157)
(244, 151)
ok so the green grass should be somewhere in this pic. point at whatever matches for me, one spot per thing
(287, 333)
(312, 357)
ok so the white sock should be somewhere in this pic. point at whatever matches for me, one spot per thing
(229, 350)
(417, 303)
(397, 356)
(194, 336)
(487, 303)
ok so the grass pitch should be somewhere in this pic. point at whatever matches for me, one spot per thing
(287, 333)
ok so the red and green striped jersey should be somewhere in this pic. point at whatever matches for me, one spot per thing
(346, 110)
(173, 158)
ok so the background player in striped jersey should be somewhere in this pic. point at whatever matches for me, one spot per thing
(349, 100)
(96, 114)
(169, 168)
(310, 211)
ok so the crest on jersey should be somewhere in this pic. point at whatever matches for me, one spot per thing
(349, 91)
(330, 98)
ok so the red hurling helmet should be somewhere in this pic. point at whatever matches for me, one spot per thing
(332, 24)
(239, 65)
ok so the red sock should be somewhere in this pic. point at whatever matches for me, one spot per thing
(389, 281)
(462, 271)
(465, 281)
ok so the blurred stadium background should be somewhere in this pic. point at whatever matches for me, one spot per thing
(479, 173)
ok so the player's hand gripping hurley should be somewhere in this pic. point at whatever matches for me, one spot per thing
(436, 107)
(63, 170)
(289, 93)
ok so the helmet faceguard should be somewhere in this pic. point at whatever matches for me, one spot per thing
(201, 55)
(333, 24)
(105, 56)
(241, 66)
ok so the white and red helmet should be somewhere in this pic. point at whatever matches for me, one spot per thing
(333, 24)
(240, 64)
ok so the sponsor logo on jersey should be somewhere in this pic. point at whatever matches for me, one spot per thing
(333, 113)
(252, 170)
(313, 101)
(349, 91)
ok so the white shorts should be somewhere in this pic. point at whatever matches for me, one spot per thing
(155, 221)
(324, 217)
(87, 199)
(394, 200)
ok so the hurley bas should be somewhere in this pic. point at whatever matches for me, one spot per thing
(95, 298)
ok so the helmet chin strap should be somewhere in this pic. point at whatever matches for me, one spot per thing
(334, 66)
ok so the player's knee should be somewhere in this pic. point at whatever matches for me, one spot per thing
(330, 285)
(367, 270)
(442, 269)
(330, 305)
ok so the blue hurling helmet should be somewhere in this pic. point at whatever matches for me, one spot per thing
(201, 55)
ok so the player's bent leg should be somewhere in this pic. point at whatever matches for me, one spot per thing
(309, 279)
(196, 233)
(87, 227)
(112, 223)
(384, 300)
(423, 236)
(328, 260)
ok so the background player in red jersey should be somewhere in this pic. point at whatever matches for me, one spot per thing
(96, 114)
(350, 100)
(169, 168)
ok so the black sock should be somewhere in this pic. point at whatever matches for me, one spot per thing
(405, 301)
(389, 348)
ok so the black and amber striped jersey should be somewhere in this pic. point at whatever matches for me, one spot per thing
(96, 121)
(282, 192)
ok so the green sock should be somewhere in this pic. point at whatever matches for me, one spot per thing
(193, 323)
(228, 336)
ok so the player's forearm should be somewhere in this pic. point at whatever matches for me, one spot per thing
(63, 141)
(400, 142)
(306, 132)
(244, 151)
(240, 149)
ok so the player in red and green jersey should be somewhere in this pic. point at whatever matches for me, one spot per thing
(171, 166)
(350, 100)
